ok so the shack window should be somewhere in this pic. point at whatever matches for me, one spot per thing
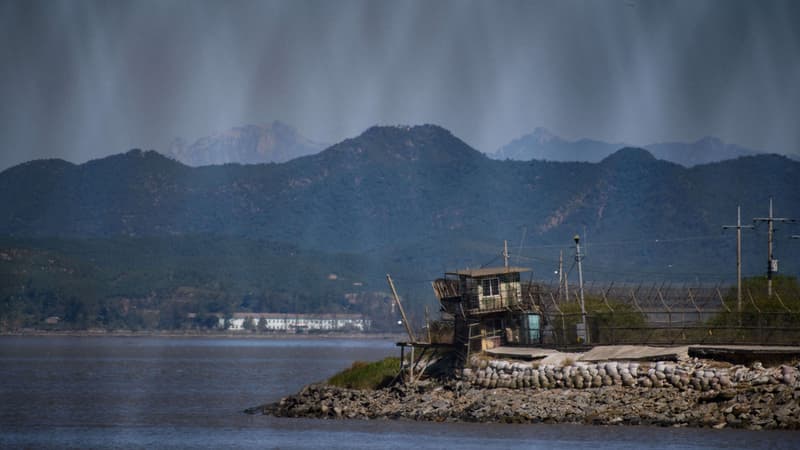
(491, 286)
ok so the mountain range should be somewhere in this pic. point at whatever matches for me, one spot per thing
(542, 144)
(390, 185)
(411, 201)
(249, 144)
(277, 142)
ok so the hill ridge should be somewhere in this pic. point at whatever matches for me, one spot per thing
(393, 187)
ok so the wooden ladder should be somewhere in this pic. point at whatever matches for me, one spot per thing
(464, 342)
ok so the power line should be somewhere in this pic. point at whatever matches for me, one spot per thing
(609, 270)
(641, 241)
(491, 261)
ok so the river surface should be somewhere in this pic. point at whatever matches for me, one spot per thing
(156, 392)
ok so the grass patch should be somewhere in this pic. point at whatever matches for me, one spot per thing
(364, 375)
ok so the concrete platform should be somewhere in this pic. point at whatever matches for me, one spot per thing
(746, 354)
(542, 355)
(524, 353)
(635, 353)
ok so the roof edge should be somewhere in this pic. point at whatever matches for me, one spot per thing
(472, 273)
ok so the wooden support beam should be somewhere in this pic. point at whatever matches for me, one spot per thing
(402, 311)
(427, 323)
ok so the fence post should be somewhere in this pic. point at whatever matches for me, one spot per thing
(563, 324)
(758, 314)
(669, 313)
(613, 335)
(699, 313)
(775, 291)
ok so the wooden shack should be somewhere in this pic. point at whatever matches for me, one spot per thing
(488, 308)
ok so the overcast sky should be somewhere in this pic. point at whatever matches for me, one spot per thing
(82, 79)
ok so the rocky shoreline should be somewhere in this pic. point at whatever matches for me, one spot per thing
(694, 393)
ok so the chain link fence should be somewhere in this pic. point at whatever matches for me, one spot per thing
(663, 314)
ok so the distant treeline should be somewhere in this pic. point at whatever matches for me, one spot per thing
(188, 282)
(173, 283)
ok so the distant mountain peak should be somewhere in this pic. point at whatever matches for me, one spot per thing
(135, 157)
(543, 135)
(411, 130)
(51, 164)
(630, 154)
(710, 142)
(274, 126)
(413, 133)
(702, 151)
(411, 143)
(247, 144)
(542, 144)
(139, 153)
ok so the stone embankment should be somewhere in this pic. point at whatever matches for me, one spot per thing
(697, 393)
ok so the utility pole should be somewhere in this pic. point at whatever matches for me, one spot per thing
(505, 254)
(560, 271)
(578, 258)
(772, 264)
(738, 227)
(566, 287)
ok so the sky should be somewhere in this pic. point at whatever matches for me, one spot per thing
(84, 79)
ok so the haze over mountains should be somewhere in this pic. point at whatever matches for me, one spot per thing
(277, 142)
(542, 144)
(249, 144)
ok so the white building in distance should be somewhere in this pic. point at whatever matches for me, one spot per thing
(293, 323)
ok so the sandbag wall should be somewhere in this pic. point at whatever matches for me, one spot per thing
(693, 374)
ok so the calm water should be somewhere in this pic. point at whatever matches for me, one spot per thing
(113, 392)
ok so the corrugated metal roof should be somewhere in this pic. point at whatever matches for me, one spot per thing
(474, 273)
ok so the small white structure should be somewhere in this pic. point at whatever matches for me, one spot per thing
(293, 323)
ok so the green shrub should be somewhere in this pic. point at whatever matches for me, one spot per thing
(363, 375)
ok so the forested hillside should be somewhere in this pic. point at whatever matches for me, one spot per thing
(412, 201)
